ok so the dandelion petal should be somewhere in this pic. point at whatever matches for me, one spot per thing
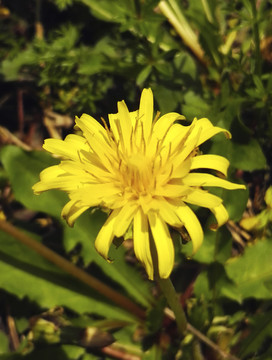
(163, 243)
(192, 225)
(106, 235)
(142, 243)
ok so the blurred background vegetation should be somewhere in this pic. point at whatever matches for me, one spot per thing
(208, 58)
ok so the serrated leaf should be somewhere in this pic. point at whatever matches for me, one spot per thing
(252, 271)
(10, 67)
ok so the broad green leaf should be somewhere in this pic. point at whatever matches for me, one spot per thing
(246, 156)
(25, 273)
(252, 271)
(23, 169)
(235, 202)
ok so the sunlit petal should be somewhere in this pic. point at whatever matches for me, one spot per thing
(90, 126)
(124, 219)
(166, 210)
(142, 243)
(203, 198)
(71, 212)
(196, 179)
(207, 130)
(214, 162)
(124, 125)
(146, 112)
(66, 150)
(163, 243)
(106, 235)
(221, 216)
(192, 225)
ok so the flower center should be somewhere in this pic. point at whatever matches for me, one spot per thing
(137, 174)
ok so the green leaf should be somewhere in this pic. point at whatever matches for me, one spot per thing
(213, 283)
(108, 10)
(194, 106)
(23, 169)
(63, 4)
(10, 68)
(215, 247)
(246, 155)
(235, 202)
(252, 272)
(143, 75)
(4, 343)
(155, 353)
(167, 99)
(25, 273)
(186, 66)
(63, 352)
(260, 331)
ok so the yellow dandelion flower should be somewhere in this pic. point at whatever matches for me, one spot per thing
(141, 170)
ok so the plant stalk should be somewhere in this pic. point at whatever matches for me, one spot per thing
(172, 298)
(173, 13)
(256, 35)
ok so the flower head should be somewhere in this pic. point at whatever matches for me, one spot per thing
(145, 172)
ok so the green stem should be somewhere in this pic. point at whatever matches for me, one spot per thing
(73, 270)
(172, 298)
(168, 291)
(171, 10)
(196, 350)
(207, 11)
(256, 38)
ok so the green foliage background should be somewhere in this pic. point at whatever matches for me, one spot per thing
(74, 56)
